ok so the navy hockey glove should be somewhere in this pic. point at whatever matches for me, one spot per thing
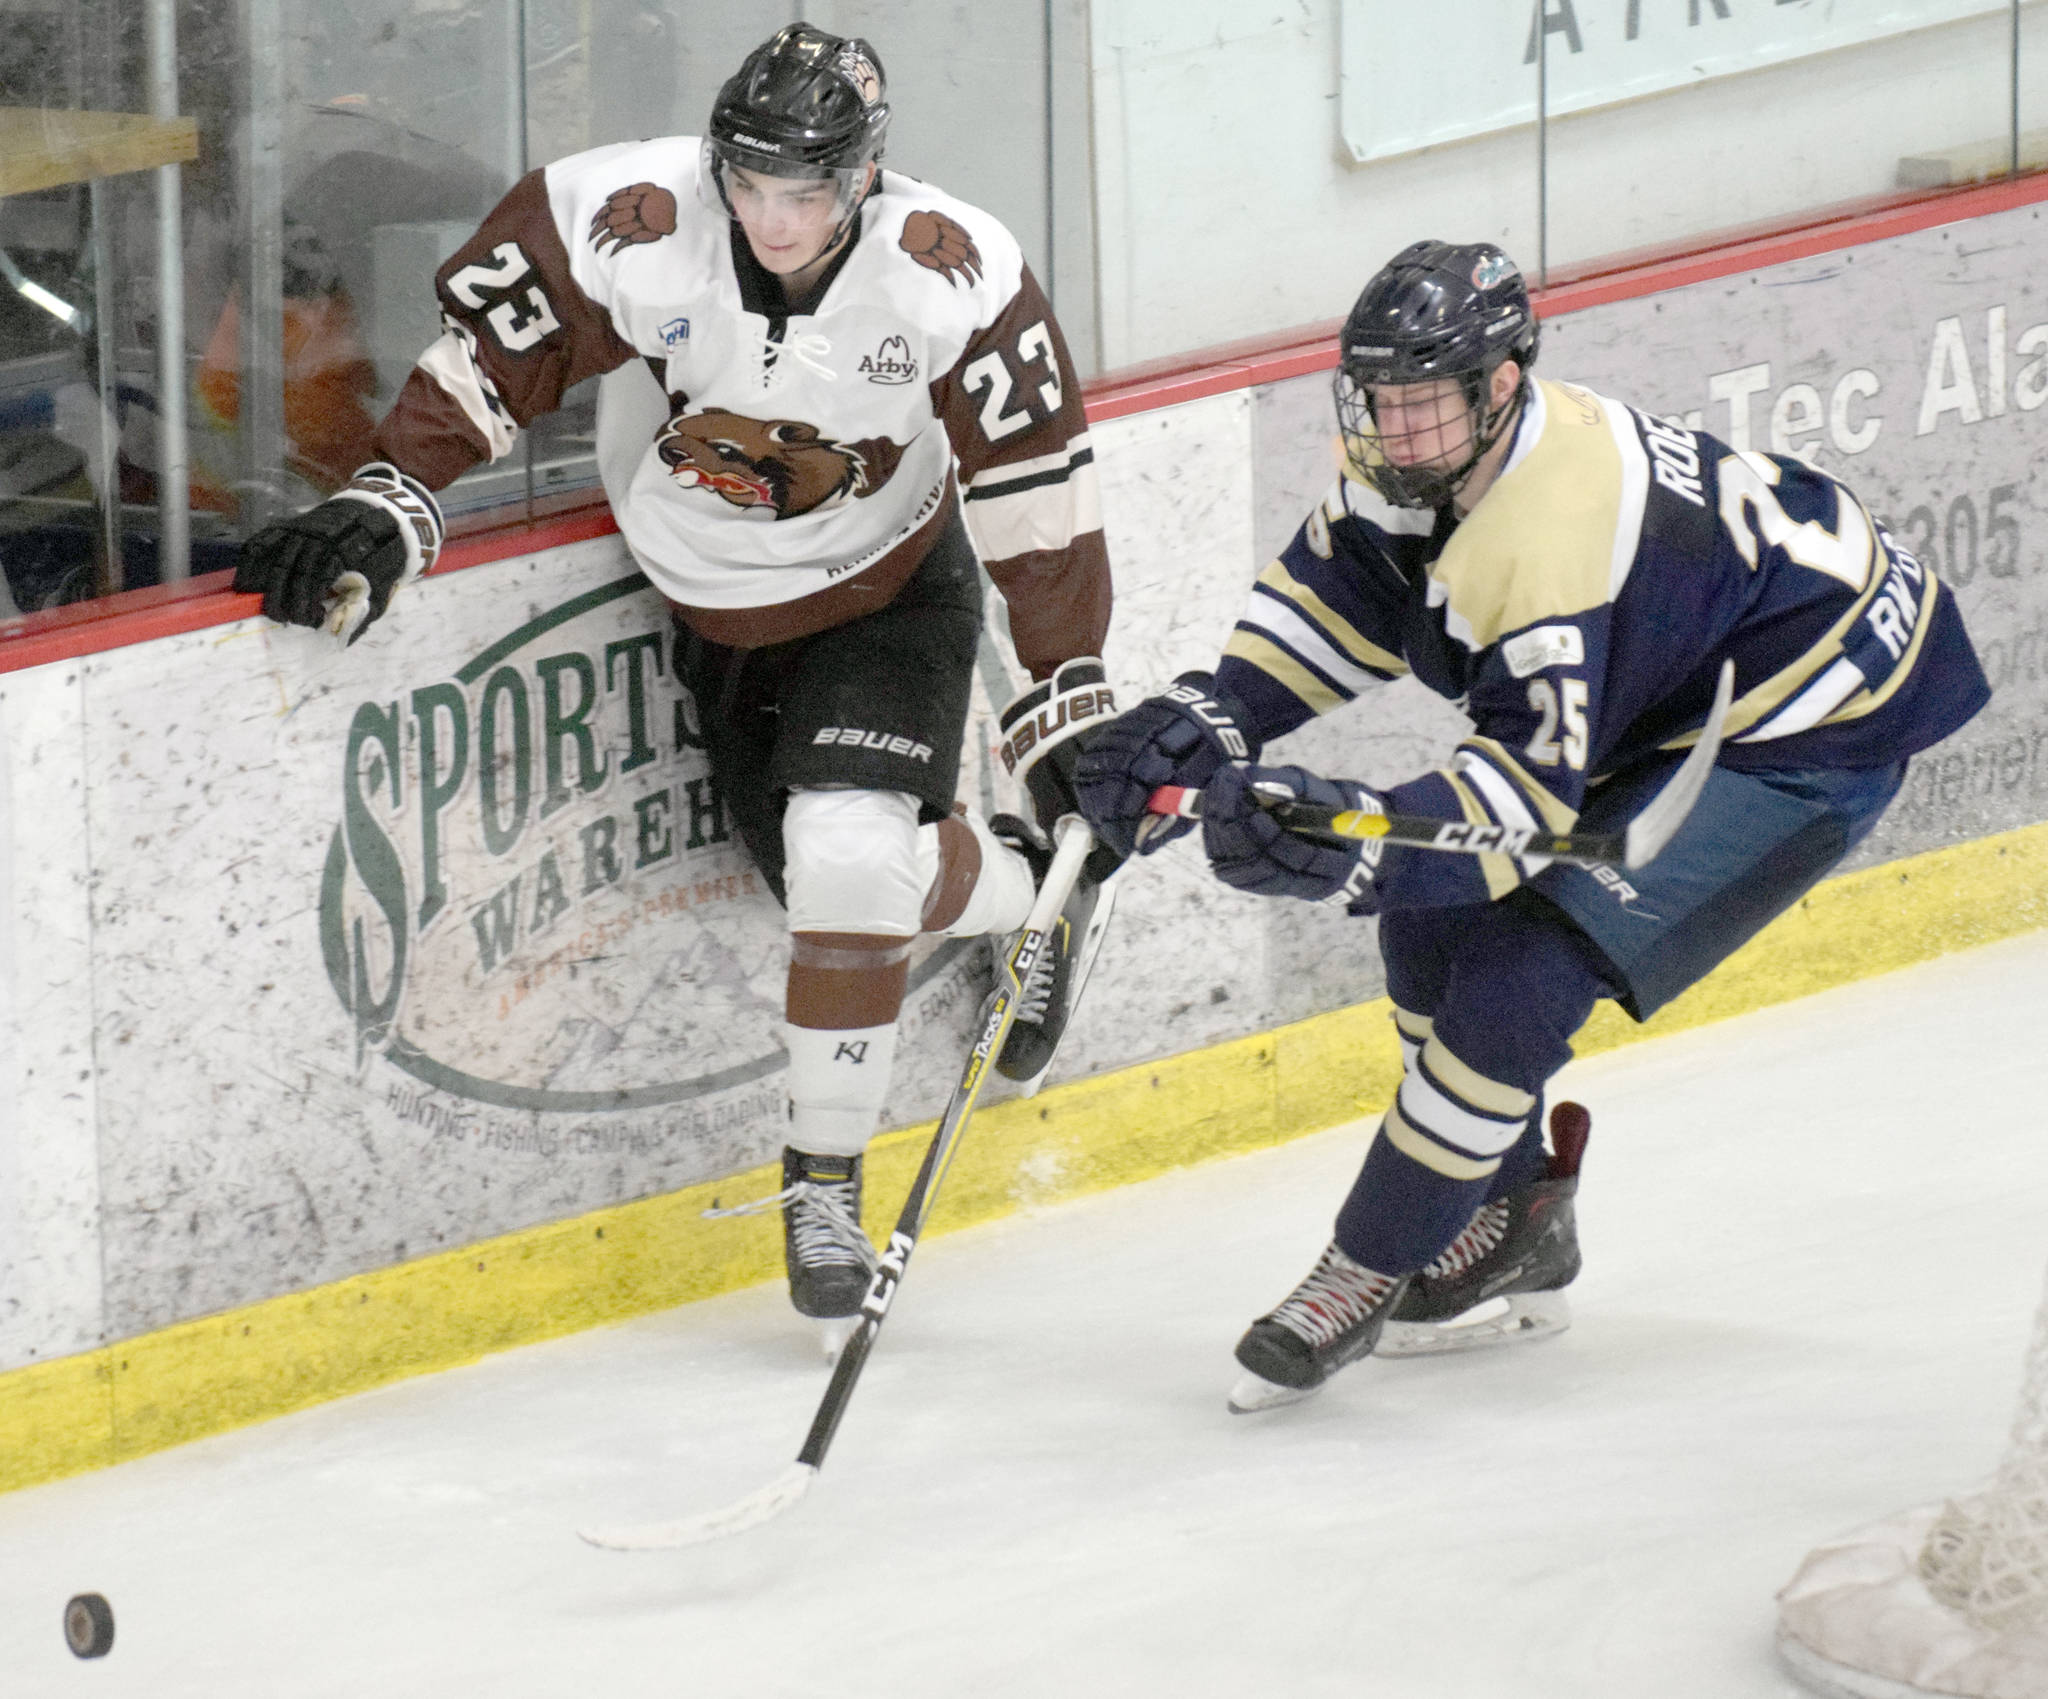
(1251, 850)
(1042, 730)
(335, 566)
(1179, 738)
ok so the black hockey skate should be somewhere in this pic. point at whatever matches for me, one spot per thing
(824, 1248)
(1504, 1276)
(1053, 985)
(828, 1255)
(1332, 1318)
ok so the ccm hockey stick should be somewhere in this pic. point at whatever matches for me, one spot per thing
(997, 1016)
(1646, 835)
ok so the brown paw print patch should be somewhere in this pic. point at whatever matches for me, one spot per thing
(938, 244)
(644, 212)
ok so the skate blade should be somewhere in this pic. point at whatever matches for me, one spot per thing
(1515, 1320)
(1091, 943)
(834, 1333)
(1254, 1393)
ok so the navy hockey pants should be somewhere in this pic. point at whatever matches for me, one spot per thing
(1506, 984)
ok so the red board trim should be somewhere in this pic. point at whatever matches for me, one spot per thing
(139, 616)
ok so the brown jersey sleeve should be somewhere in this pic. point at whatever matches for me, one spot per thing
(1011, 406)
(520, 333)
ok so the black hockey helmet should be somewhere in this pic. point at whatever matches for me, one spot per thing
(1436, 310)
(804, 103)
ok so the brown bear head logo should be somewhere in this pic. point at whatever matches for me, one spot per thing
(781, 465)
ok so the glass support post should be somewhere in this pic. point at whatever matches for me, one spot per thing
(173, 447)
(516, 164)
(106, 369)
(262, 483)
(1542, 149)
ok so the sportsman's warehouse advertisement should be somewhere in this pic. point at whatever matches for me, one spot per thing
(318, 959)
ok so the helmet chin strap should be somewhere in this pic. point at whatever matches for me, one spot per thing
(1503, 418)
(853, 212)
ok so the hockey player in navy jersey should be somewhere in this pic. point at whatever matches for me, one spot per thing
(1572, 572)
(811, 361)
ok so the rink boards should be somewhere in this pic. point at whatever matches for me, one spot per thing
(363, 1011)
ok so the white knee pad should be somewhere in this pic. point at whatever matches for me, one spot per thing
(837, 1083)
(1003, 890)
(852, 862)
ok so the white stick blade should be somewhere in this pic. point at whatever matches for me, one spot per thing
(736, 1518)
(1652, 829)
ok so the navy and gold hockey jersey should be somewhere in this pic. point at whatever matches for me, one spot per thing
(1580, 615)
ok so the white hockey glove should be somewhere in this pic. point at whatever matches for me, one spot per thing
(336, 566)
(1041, 731)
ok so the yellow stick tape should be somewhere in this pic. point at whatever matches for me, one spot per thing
(203, 1377)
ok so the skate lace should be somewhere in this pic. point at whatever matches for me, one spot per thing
(1482, 1233)
(1336, 1297)
(822, 1224)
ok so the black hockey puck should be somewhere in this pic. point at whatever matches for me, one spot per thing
(89, 1626)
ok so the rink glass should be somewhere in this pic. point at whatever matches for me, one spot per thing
(1181, 174)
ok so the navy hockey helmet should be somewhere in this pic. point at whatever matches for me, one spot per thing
(1436, 310)
(805, 103)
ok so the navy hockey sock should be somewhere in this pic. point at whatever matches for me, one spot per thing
(1527, 1162)
(1400, 1214)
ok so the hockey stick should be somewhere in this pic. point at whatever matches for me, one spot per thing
(997, 1016)
(1646, 835)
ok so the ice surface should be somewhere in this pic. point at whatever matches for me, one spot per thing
(1814, 1240)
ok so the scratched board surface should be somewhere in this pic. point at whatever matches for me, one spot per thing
(324, 959)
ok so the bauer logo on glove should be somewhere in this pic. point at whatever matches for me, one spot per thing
(1180, 737)
(1045, 720)
(1041, 741)
(336, 566)
(1213, 715)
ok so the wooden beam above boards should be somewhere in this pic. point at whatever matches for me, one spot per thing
(46, 147)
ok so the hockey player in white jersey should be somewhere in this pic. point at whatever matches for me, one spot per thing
(1574, 573)
(815, 367)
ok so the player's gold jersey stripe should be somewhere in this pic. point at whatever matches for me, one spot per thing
(1867, 701)
(1283, 668)
(1340, 631)
(1556, 815)
(1499, 870)
(1764, 699)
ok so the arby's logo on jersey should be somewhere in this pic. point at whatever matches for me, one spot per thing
(781, 467)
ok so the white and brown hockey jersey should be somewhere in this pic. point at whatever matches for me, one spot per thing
(787, 470)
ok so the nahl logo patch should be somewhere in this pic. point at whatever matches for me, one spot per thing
(890, 363)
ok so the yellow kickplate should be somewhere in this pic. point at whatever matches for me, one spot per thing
(220, 1372)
